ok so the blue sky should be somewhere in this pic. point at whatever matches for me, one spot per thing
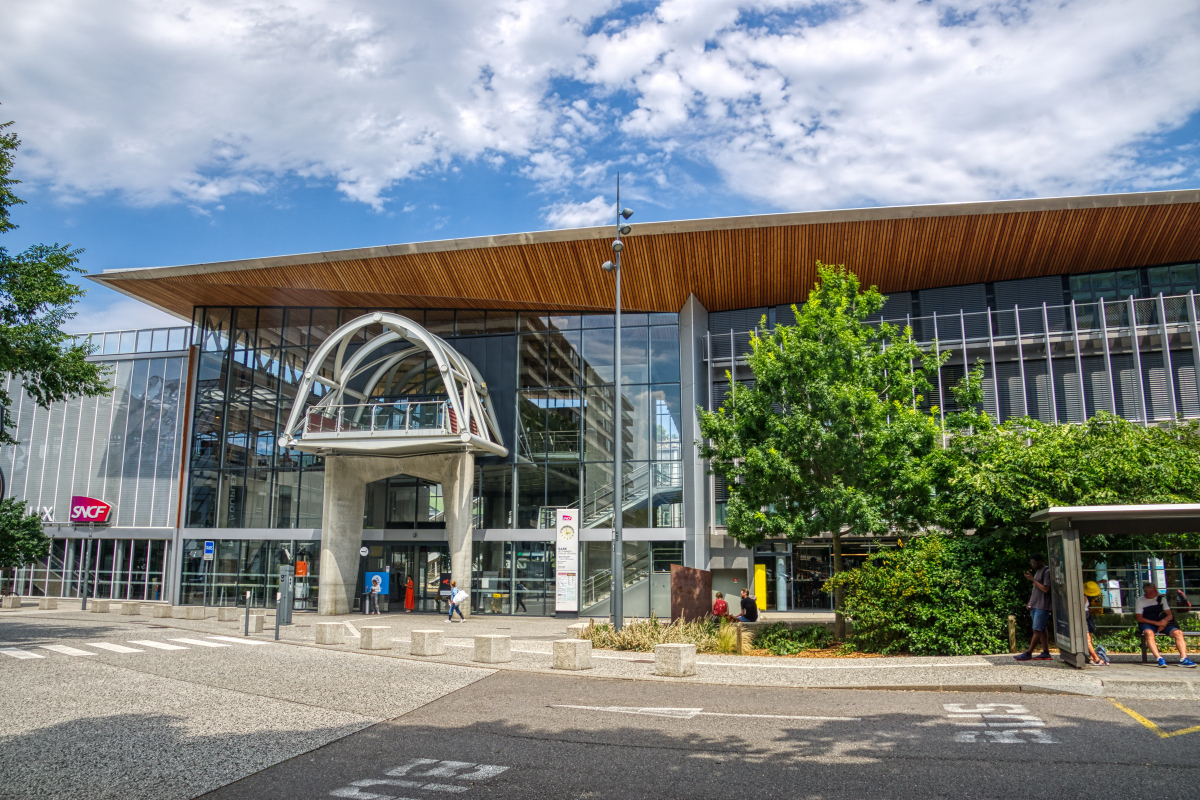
(165, 132)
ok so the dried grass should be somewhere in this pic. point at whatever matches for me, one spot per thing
(641, 636)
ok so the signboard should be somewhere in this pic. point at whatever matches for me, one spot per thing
(380, 579)
(301, 569)
(89, 509)
(566, 562)
(364, 551)
(1066, 596)
(208, 551)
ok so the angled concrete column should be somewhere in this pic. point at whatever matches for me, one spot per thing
(457, 484)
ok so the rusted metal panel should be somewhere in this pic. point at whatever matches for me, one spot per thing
(691, 593)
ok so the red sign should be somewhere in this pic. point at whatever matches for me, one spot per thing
(301, 569)
(89, 509)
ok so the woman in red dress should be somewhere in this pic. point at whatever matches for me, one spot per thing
(408, 596)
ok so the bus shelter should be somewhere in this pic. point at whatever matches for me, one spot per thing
(1067, 525)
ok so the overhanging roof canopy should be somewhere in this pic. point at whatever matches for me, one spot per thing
(1124, 519)
(728, 263)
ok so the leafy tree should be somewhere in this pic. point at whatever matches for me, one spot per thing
(36, 297)
(830, 437)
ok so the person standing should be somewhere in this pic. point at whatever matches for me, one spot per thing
(375, 589)
(1155, 618)
(409, 600)
(456, 598)
(1039, 609)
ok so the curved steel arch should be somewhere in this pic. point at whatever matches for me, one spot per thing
(472, 419)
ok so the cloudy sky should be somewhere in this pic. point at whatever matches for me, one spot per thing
(164, 132)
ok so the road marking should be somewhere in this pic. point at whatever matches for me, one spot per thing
(200, 643)
(353, 630)
(156, 645)
(236, 640)
(1159, 732)
(116, 648)
(14, 652)
(404, 775)
(67, 651)
(1004, 723)
(688, 713)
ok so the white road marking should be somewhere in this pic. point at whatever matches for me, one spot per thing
(403, 776)
(236, 640)
(67, 651)
(116, 648)
(1008, 717)
(156, 645)
(200, 643)
(688, 713)
(14, 652)
(353, 630)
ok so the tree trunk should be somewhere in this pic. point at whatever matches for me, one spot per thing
(839, 621)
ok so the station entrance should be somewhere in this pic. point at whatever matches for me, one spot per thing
(424, 562)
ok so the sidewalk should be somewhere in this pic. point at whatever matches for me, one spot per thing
(532, 639)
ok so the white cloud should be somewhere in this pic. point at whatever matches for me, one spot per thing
(795, 103)
(104, 310)
(596, 211)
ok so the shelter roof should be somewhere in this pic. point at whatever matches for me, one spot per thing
(1123, 519)
(727, 263)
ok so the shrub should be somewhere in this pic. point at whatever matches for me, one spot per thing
(929, 597)
(783, 641)
(709, 635)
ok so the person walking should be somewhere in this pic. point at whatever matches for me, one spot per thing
(457, 597)
(1039, 609)
(409, 601)
(520, 598)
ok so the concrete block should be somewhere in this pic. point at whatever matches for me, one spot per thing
(331, 633)
(188, 612)
(11, 601)
(98, 606)
(159, 612)
(576, 631)
(572, 654)
(375, 637)
(256, 622)
(47, 603)
(675, 660)
(229, 614)
(129, 609)
(428, 643)
(491, 648)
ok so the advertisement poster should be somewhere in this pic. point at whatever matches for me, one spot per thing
(378, 577)
(566, 594)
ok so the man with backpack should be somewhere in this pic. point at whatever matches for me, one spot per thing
(1039, 609)
(1155, 618)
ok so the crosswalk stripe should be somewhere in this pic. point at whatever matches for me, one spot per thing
(116, 648)
(14, 652)
(235, 641)
(156, 645)
(67, 651)
(200, 643)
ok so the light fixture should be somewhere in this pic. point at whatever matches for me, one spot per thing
(617, 246)
(626, 230)
(608, 266)
(626, 212)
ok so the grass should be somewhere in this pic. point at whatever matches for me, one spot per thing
(709, 636)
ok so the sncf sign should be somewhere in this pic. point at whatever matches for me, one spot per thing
(89, 509)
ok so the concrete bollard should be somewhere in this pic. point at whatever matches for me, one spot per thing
(256, 623)
(188, 612)
(331, 633)
(130, 609)
(229, 614)
(675, 660)
(160, 612)
(577, 630)
(428, 643)
(11, 601)
(48, 603)
(375, 637)
(98, 606)
(491, 648)
(572, 654)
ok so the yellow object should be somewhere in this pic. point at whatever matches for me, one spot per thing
(1159, 732)
(1091, 589)
(760, 586)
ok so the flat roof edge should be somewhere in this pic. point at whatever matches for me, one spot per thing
(711, 224)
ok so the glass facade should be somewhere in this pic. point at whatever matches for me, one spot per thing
(113, 569)
(239, 566)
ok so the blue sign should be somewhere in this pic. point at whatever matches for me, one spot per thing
(208, 551)
(377, 577)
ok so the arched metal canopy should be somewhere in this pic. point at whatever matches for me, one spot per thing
(347, 420)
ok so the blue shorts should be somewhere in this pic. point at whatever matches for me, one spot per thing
(1041, 618)
(1145, 626)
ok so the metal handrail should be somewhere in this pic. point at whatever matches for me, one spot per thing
(402, 418)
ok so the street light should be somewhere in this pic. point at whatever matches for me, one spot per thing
(616, 593)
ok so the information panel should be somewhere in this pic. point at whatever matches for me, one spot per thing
(566, 561)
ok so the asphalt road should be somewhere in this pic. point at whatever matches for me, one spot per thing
(266, 721)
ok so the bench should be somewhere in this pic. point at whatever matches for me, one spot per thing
(1145, 652)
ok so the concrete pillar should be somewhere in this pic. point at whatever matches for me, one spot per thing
(341, 534)
(457, 483)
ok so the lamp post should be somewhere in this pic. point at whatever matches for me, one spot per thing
(616, 594)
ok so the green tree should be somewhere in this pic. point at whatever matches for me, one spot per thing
(830, 437)
(36, 300)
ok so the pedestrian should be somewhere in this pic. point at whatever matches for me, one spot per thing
(1097, 656)
(375, 589)
(1155, 618)
(749, 608)
(1039, 609)
(720, 607)
(457, 598)
(521, 598)
(409, 601)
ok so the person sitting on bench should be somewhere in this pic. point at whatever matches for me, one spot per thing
(749, 608)
(1154, 618)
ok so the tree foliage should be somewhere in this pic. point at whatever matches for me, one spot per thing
(21, 538)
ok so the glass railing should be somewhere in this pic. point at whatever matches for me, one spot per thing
(149, 340)
(402, 418)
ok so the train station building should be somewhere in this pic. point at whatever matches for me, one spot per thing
(426, 409)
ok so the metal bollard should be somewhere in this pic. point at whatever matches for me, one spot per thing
(247, 613)
(277, 599)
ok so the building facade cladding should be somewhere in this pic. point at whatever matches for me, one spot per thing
(123, 448)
